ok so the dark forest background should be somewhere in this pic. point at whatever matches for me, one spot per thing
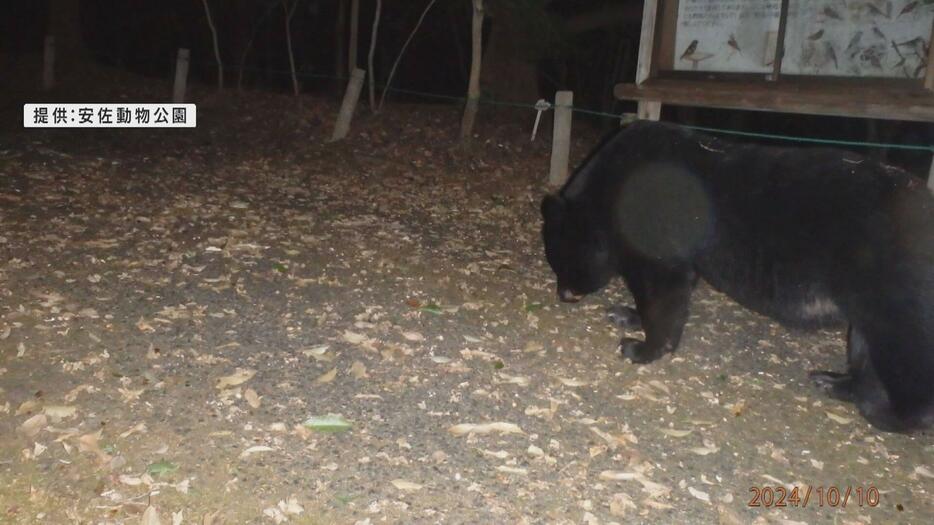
(531, 49)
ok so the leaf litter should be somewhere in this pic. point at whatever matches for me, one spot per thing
(177, 311)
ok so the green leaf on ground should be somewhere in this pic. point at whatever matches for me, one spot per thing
(161, 467)
(329, 423)
(432, 308)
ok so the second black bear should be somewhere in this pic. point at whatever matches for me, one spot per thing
(805, 236)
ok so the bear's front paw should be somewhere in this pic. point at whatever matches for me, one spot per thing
(624, 317)
(637, 351)
(834, 384)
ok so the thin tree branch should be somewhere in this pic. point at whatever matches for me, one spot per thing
(379, 5)
(217, 50)
(392, 71)
(288, 40)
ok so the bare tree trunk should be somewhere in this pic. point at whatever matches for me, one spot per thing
(289, 11)
(379, 5)
(392, 71)
(354, 32)
(473, 87)
(217, 50)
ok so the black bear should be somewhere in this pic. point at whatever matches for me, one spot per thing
(805, 236)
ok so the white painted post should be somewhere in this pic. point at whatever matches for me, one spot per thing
(181, 75)
(931, 176)
(647, 41)
(650, 110)
(349, 104)
(561, 138)
(929, 72)
(48, 63)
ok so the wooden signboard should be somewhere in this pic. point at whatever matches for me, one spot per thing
(866, 38)
(853, 58)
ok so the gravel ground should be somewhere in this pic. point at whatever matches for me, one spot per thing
(175, 306)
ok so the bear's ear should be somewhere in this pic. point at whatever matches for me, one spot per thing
(553, 207)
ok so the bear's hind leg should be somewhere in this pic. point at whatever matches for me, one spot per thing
(662, 300)
(861, 385)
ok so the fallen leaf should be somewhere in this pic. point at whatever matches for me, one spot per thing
(327, 377)
(514, 380)
(354, 338)
(703, 496)
(330, 423)
(316, 351)
(252, 398)
(161, 467)
(620, 504)
(358, 370)
(33, 425)
(91, 443)
(676, 433)
(242, 375)
(291, 506)
(150, 517)
(28, 406)
(703, 451)
(402, 484)
(255, 449)
(486, 428)
(132, 481)
(839, 419)
(413, 336)
(737, 408)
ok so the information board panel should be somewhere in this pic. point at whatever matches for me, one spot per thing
(855, 38)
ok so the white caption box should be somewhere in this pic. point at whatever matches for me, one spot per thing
(110, 116)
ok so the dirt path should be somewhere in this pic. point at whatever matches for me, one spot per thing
(173, 308)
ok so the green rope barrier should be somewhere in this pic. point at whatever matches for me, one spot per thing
(810, 140)
(583, 111)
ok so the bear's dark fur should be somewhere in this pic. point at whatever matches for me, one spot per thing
(805, 236)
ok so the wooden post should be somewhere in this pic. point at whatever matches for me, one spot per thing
(780, 42)
(647, 41)
(561, 138)
(181, 76)
(48, 65)
(648, 109)
(929, 72)
(351, 96)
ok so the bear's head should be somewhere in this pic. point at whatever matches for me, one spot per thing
(577, 250)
